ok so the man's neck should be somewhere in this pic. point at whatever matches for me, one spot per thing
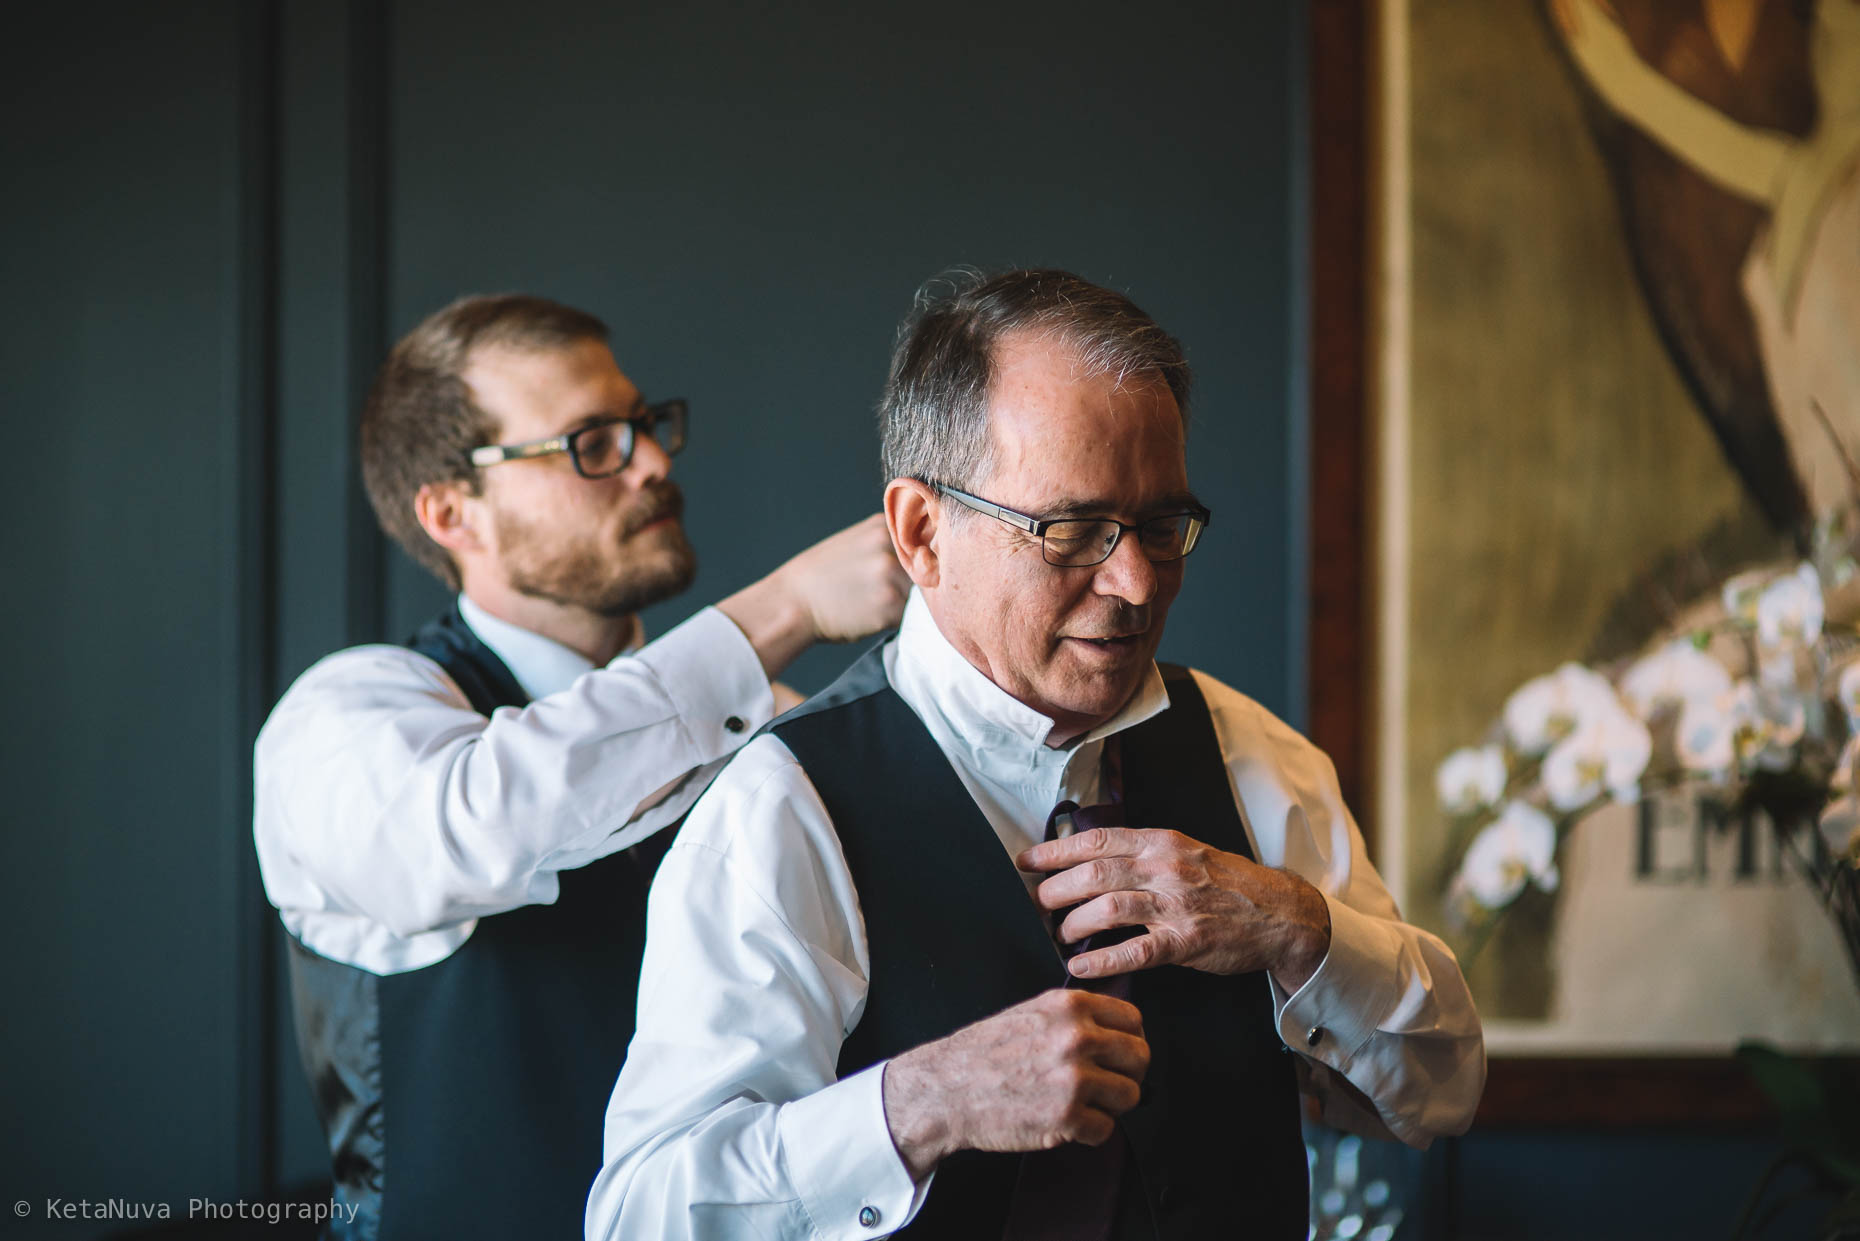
(1067, 726)
(594, 637)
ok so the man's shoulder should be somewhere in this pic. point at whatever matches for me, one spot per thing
(1248, 729)
(373, 677)
(383, 664)
(761, 810)
(865, 677)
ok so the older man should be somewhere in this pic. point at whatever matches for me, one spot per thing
(857, 1015)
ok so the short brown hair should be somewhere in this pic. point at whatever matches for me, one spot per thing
(420, 423)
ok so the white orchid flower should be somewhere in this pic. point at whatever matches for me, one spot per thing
(1782, 667)
(1849, 695)
(1706, 738)
(1740, 595)
(1747, 725)
(1840, 828)
(1609, 754)
(1518, 846)
(1846, 768)
(1790, 610)
(1783, 720)
(1544, 711)
(1672, 676)
(1471, 779)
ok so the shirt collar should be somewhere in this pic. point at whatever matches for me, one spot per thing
(993, 727)
(541, 665)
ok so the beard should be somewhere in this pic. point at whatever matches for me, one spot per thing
(611, 576)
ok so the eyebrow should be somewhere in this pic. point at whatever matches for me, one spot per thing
(1175, 502)
(601, 415)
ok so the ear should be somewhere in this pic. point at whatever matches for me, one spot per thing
(445, 512)
(911, 514)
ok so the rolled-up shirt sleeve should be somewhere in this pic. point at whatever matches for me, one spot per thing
(729, 1118)
(1387, 1011)
(380, 793)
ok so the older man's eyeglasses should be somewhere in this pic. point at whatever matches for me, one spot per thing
(600, 449)
(1078, 542)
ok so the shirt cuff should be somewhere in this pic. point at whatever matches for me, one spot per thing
(841, 1160)
(1341, 1005)
(714, 680)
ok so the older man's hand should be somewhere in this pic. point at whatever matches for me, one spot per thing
(1054, 1069)
(1202, 908)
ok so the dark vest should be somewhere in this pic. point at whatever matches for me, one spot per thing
(467, 1099)
(1215, 1145)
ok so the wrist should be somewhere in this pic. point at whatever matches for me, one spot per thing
(1308, 937)
(920, 1126)
(774, 618)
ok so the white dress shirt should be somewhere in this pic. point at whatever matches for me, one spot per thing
(390, 816)
(728, 1120)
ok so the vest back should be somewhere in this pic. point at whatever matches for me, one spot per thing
(467, 1099)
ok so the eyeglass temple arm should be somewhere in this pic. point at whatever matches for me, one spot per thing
(1018, 520)
(491, 454)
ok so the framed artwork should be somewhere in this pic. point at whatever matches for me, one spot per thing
(1586, 344)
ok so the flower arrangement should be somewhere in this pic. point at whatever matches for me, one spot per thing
(1756, 704)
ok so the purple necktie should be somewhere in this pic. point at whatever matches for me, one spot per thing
(1070, 1193)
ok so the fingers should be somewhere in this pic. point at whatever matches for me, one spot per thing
(1089, 1044)
(1088, 880)
(1099, 842)
(1110, 1094)
(1140, 952)
(851, 583)
(1125, 1055)
(1107, 912)
(1105, 1011)
(1090, 1126)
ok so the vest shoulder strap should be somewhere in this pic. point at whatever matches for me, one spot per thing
(484, 679)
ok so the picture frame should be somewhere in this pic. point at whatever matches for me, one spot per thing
(1361, 253)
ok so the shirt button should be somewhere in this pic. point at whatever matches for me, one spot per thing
(734, 724)
(1314, 1036)
(868, 1217)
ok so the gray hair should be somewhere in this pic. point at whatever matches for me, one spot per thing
(933, 418)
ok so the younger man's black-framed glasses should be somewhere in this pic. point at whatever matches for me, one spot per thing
(1075, 542)
(600, 449)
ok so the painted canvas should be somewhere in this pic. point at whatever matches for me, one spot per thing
(1618, 364)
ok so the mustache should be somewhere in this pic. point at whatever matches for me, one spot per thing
(1121, 619)
(660, 500)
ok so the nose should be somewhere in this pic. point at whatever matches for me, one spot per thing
(1127, 573)
(650, 463)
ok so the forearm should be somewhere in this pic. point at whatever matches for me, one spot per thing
(730, 1092)
(842, 588)
(774, 619)
(381, 794)
(805, 1169)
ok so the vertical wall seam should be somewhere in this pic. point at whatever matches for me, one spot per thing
(366, 560)
(1298, 361)
(253, 583)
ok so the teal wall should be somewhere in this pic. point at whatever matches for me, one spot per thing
(217, 216)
